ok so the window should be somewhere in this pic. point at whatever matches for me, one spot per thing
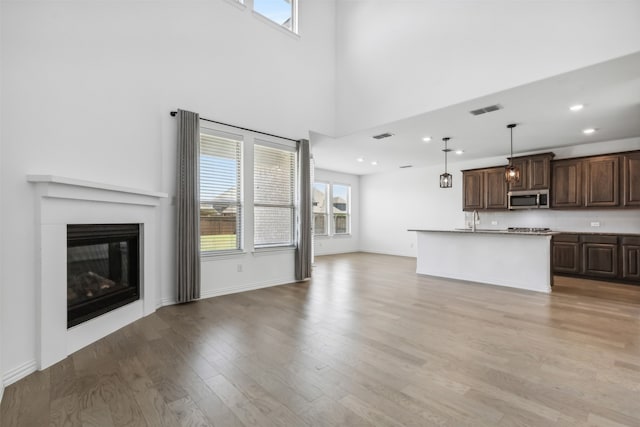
(320, 209)
(282, 12)
(220, 191)
(340, 208)
(274, 195)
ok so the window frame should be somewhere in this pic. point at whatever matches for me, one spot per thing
(290, 148)
(347, 212)
(294, 17)
(326, 213)
(240, 204)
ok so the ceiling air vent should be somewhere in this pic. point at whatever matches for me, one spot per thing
(406, 166)
(382, 135)
(488, 109)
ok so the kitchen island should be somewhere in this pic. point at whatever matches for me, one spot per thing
(497, 257)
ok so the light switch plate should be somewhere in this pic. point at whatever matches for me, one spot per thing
(494, 222)
(595, 223)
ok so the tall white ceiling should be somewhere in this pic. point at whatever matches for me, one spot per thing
(610, 92)
(415, 68)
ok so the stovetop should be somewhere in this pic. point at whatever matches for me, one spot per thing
(529, 229)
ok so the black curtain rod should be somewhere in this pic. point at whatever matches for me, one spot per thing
(173, 114)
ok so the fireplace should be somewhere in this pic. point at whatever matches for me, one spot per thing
(102, 269)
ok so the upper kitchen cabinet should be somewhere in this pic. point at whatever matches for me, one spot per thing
(495, 188)
(566, 188)
(535, 172)
(602, 181)
(631, 179)
(484, 189)
(521, 163)
(472, 190)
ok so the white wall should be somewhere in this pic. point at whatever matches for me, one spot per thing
(397, 59)
(326, 245)
(392, 203)
(86, 92)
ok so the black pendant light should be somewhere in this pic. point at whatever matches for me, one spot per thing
(446, 180)
(511, 172)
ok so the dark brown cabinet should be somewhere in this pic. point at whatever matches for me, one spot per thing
(540, 171)
(600, 256)
(566, 253)
(484, 189)
(602, 181)
(597, 256)
(535, 172)
(521, 163)
(608, 181)
(495, 188)
(631, 258)
(566, 187)
(472, 190)
(631, 179)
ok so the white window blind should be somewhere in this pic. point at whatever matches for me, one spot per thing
(274, 195)
(341, 208)
(320, 208)
(220, 191)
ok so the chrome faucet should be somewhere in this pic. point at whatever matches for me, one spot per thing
(476, 217)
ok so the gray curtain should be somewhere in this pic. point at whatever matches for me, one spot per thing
(188, 208)
(303, 249)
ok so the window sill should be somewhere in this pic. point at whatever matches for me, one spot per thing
(282, 29)
(270, 249)
(342, 235)
(213, 256)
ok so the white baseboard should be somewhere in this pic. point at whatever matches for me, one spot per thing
(231, 290)
(318, 253)
(19, 372)
(1, 392)
(164, 302)
(365, 251)
(244, 288)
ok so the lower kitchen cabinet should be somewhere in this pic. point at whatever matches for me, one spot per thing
(631, 258)
(597, 256)
(600, 256)
(566, 253)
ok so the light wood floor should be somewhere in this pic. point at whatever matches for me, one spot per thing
(367, 342)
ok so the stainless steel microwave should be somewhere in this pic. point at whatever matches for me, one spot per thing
(528, 199)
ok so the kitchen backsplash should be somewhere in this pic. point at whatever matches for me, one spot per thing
(595, 221)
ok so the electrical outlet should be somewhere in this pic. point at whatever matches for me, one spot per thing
(494, 222)
(239, 268)
(595, 223)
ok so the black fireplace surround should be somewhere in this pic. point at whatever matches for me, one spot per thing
(103, 269)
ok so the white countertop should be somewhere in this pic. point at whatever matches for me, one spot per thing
(490, 231)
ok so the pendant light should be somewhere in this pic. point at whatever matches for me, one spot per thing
(446, 180)
(511, 173)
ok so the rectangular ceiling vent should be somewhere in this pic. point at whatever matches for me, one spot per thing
(484, 110)
(382, 135)
(406, 166)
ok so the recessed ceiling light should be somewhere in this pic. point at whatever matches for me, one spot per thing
(576, 107)
(360, 159)
(426, 139)
(458, 152)
(589, 131)
(374, 163)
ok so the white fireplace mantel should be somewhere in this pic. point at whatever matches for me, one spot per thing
(61, 201)
(71, 188)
